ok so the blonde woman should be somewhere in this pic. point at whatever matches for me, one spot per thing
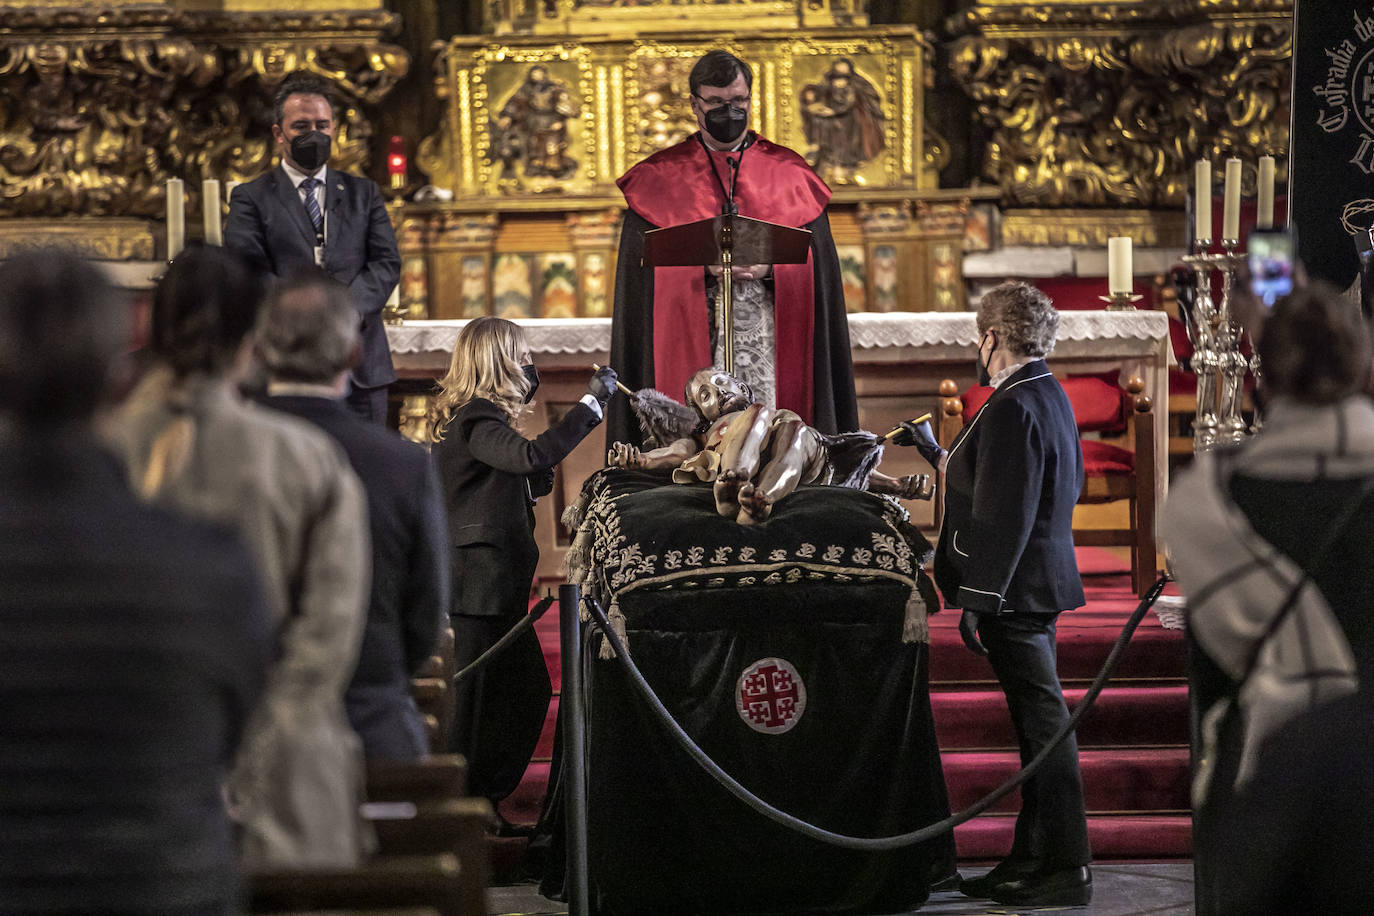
(490, 475)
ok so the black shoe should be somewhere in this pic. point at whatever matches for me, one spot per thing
(1004, 871)
(1064, 887)
(947, 883)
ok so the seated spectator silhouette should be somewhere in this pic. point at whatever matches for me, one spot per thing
(308, 338)
(133, 642)
(192, 443)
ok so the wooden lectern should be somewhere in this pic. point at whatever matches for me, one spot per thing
(723, 240)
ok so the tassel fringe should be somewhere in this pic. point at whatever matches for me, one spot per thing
(915, 628)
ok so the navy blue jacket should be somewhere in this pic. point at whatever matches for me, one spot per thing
(1012, 478)
(268, 225)
(409, 603)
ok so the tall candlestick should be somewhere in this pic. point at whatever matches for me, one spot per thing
(209, 200)
(1202, 200)
(1264, 205)
(1230, 214)
(176, 217)
(1119, 278)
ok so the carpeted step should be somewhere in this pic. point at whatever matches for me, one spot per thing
(1084, 641)
(523, 805)
(1114, 781)
(1121, 717)
(1113, 836)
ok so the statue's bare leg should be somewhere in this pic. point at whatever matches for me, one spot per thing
(739, 455)
(792, 449)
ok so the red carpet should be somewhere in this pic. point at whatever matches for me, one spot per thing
(1133, 743)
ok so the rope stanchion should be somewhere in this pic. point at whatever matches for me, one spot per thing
(871, 844)
(511, 636)
(572, 710)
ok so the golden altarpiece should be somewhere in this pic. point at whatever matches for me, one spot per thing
(560, 97)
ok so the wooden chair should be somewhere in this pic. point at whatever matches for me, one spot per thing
(425, 782)
(390, 883)
(1111, 472)
(432, 688)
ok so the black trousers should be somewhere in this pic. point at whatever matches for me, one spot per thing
(1052, 828)
(498, 712)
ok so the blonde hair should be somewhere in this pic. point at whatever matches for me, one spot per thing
(485, 364)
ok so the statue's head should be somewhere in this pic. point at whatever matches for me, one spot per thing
(715, 392)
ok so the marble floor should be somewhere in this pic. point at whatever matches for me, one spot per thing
(1118, 890)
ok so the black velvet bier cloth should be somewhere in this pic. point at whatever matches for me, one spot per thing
(767, 173)
(862, 758)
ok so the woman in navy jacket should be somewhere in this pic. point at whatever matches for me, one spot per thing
(490, 475)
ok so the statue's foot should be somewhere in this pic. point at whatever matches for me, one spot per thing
(754, 507)
(727, 493)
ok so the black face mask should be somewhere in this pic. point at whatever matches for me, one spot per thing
(984, 376)
(531, 376)
(725, 123)
(310, 150)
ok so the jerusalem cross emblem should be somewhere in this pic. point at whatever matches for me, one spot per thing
(770, 696)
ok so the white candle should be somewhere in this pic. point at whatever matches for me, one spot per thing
(176, 217)
(1230, 214)
(1264, 205)
(1119, 279)
(1202, 200)
(209, 199)
(229, 190)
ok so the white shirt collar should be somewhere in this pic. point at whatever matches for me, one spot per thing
(1011, 370)
(302, 390)
(297, 176)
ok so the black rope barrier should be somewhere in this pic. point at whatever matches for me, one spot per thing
(873, 844)
(511, 636)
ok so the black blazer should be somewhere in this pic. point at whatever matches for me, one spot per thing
(268, 225)
(491, 474)
(1012, 478)
(409, 602)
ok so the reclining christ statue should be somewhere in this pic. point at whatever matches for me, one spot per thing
(754, 455)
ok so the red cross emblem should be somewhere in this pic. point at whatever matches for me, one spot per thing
(770, 696)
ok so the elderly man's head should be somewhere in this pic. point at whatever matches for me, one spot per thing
(62, 330)
(1315, 348)
(308, 332)
(1022, 319)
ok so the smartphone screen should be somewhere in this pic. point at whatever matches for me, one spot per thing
(1271, 265)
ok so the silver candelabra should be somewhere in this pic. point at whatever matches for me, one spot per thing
(1218, 362)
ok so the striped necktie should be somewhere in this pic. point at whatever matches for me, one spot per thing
(312, 205)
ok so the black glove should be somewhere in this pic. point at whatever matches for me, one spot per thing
(968, 630)
(921, 436)
(602, 385)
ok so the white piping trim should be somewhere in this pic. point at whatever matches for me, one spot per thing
(997, 595)
(954, 542)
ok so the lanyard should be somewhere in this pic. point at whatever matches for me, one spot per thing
(730, 206)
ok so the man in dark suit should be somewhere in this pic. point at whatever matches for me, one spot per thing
(1012, 477)
(304, 213)
(308, 339)
(133, 642)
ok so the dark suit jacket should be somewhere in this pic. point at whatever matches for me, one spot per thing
(410, 575)
(134, 644)
(268, 225)
(1011, 481)
(490, 474)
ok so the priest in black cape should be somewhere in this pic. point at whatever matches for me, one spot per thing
(665, 325)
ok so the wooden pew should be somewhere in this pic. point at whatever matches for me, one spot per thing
(432, 688)
(432, 882)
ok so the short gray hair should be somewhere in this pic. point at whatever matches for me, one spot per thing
(1025, 318)
(309, 329)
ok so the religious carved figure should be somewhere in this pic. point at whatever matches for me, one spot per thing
(752, 454)
(532, 128)
(842, 119)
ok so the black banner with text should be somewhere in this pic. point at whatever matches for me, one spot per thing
(1331, 160)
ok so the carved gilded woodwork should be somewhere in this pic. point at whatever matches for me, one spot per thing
(616, 17)
(528, 117)
(1093, 104)
(99, 106)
